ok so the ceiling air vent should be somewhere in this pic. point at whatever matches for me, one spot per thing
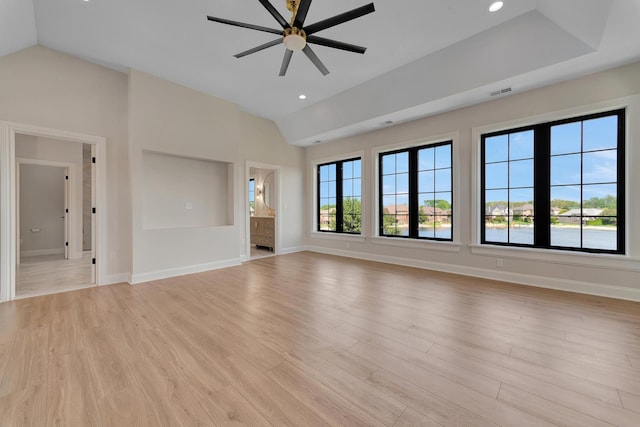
(501, 91)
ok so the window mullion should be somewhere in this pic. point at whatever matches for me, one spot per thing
(414, 204)
(542, 186)
(339, 193)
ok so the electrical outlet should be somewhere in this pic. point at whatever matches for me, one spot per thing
(499, 262)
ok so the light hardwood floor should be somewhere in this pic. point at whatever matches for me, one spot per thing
(308, 339)
(45, 274)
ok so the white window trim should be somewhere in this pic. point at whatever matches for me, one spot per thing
(454, 137)
(624, 261)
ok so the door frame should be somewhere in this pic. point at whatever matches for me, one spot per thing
(245, 196)
(8, 131)
(70, 171)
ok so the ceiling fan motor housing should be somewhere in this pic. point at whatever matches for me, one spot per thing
(294, 38)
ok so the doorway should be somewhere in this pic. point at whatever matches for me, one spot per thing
(54, 232)
(13, 157)
(263, 207)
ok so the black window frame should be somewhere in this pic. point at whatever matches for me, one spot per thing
(339, 196)
(542, 184)
(414, 204)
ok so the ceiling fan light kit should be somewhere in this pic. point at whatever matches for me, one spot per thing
(296, 36)
(294, 39)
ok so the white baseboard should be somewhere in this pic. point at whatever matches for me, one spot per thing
(181, 271)
(588, 288)
(39, 252)
(113, 279)
(292, 250)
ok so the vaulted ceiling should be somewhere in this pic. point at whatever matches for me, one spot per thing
(423, 57)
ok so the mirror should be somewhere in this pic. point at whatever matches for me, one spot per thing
(267, 189)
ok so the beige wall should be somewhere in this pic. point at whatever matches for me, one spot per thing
(616, 276)
(42, 87)
(168, 118)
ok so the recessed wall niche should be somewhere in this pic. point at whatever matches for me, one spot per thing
(180, 192)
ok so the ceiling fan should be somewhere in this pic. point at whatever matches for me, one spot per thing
(295, 36)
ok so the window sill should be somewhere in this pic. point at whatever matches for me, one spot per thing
(554, 256)
(337, 236)
(417, 244)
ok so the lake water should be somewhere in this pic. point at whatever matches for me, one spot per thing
(594, 238)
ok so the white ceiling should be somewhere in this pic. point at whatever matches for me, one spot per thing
(423, 57)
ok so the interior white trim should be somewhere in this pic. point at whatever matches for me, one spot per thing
(181, 271)
(8, 131)
(588, 288)
(39, 252)
(401, 242)
(550, 256)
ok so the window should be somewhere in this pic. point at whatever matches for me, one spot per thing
(557, 185)
(340, 196)
(416, 192)
(252, 196)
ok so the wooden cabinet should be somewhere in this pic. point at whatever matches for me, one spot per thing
(263, 231)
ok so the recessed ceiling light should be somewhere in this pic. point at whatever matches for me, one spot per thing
(303, 96)
(496, 6)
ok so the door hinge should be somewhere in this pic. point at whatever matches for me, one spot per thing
(66, 243)
(93, 160)
(93, 210)
(66, 211)
(66, 177)
(93, 261)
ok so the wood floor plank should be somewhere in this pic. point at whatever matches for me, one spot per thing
(541, 373)
(384, 408)
(72, 393)
(571, 395)
(273, 401)
(168, 401)
(331, 407)
(24, 408)
(621, 378)
(350, 363)
(438, 409)
(412, 418)
(228, 408)
(550, 411)
(307, 339)
(630, 401)
(479, 403)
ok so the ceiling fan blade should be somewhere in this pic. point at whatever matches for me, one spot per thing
(285, 62)
(316, 61)
(336, 44)
(272, 10)
(339, 19)
(243, 25)
(258, 48)
(301, 15)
